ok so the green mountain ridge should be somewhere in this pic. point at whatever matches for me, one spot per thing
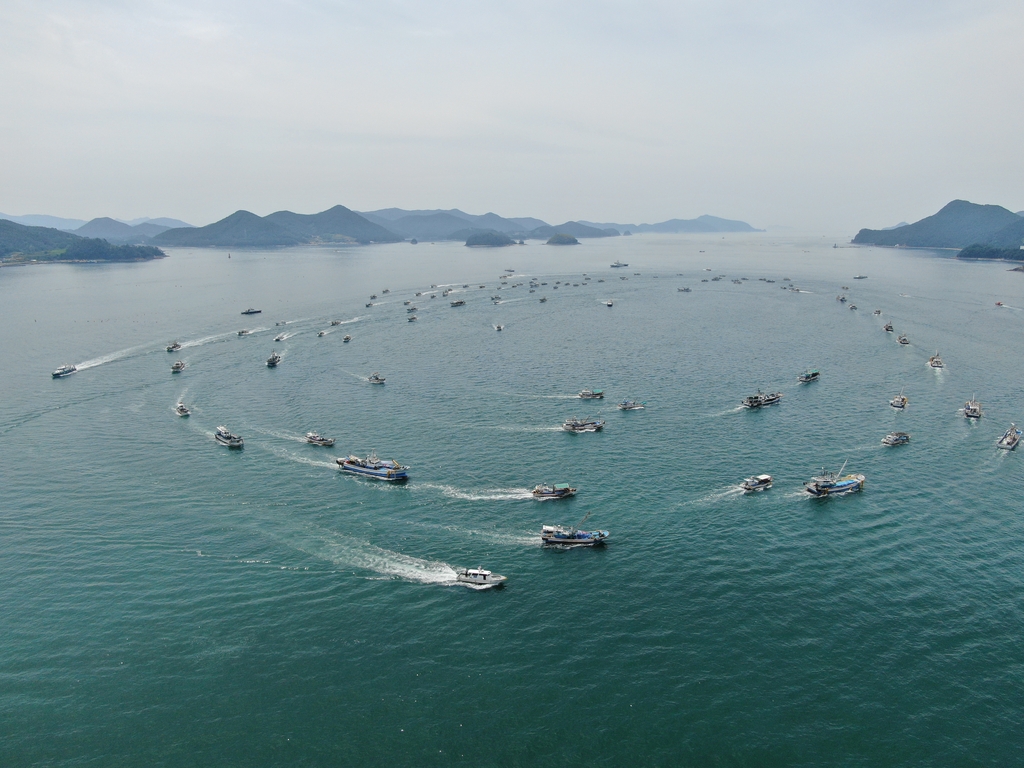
(23, 243)
(957, 225)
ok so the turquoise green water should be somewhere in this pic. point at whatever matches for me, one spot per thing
(167, 601)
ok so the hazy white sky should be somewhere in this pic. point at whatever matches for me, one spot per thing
(826, 116)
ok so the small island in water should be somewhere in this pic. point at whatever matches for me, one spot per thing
(22, 245)
(563, 239)
(488, 240)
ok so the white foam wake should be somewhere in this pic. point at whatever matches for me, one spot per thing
(491, 494)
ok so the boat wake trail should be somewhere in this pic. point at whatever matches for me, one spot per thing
(529, 429)
(713, 497)
(301, 459)
(387, 564)
(112, 357)
(207, 339)
(509, 538)
(491, 494)
(737, 409)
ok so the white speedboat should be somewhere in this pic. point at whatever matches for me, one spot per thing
(244, 332)
(556, 491)
(899, 402)
(902, 339)
(315, 438)
(178, 367)
(618, 264)
(224, 437)
(279, 337)
(412, 318)
(499, 327)
(760, 399)
(591, 394)
(1010, 438)
(972, 408)
(64, 370)
(757, 483)
(182, 410)
(579, 426)
(811, 374)
(935, 361)
(887, 328)
(478, 578)
(347, 339)
(608, 303)
(174, 346)
(335, 322)
(321, 334)
(896, 438)
(273, 360)
(375, 378)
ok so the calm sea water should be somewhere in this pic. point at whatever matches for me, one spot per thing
(166, 601)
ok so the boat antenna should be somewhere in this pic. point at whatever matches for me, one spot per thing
(843, 467)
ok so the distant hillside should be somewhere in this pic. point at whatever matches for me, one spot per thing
(119, 232)
(40, 220)
(241, 228)
(700, 224)
(335, 224)
(443, 225)
(1011, 236)
(573, 228)
(562, 239)
(46, 243)
(245, 229)
(959, 224)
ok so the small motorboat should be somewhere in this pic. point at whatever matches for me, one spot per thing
(896, 438)
(618, 264)
(935, 361)
(1010, 438)
(386, 290)
(811, 374)
(556, 491)
(631, 405)
(321, 334)
(280, 322)
(899, 402)
(591, 394)
(999, 303)
(579, 426)
(853, 306)
(279, 337)
(902, 339)
(760, 399)
(373, 296)
(378, 469)
(841, 298)
(972, 408)
(407, 302)
(832, 484)
(499, 327)
(887, 327)
(458, 303)
(335, 322)
(224, 437)
(178, 367)
(273, 360)
(369, 303)
(757, 483)
(315, 438)
(174, 346)
(244, 332)
(251, 311)
(64, 370)
(683, 290)
(608, 303)
(478, 578)
(347, 339)
(412, 318)
(543, 299)
(412, 309)
(860, 277)
(182, 410)
(375, 378)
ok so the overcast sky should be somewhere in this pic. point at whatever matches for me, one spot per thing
(824, 116)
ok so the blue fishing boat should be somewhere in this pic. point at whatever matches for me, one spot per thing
(371, 466)
(572, 537)
(834, 483)
(631, 405)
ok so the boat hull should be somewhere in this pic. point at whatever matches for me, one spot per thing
(386, 474)
(839, 488)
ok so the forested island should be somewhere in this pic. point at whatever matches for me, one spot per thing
(20, 244)
(561, 238)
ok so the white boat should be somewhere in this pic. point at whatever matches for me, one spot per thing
(178, 367)
(244, 332)
(896, 438)
(64, 370)
(499, 327)
(757, 483)
(321, 334)
(899, 402)
(860, 277)
(315, 438)
(412, 309)
(972, 408)
(181, 410)
(887, 327)
(375, 378)
(811, 374)
(173, 346)
(412, 318)
(608, 303)
(1010, 438)
(251, 311)
(458, 303)
(335, 322)
(591, 394)
(935, 361)
(478, 578)
(902, 339)
(279, 337)
(273, 360)
(347, 339)
(224, 437)
(556, 491)
(631, 405)
(760, 399)
(618, 264)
